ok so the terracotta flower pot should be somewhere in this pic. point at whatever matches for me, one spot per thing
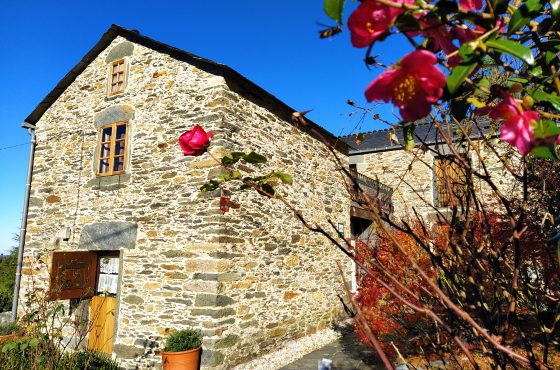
(185, 360)
(8, 337)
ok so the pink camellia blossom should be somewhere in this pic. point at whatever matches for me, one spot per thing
(443, 36)
(371, 20)
(195, 141)
(413, 85)
(517, 126)
(470, 4)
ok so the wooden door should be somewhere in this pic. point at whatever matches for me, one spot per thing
(102, 324)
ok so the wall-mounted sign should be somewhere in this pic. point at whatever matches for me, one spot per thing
(109, 265)
(107, 284)
(340, 229)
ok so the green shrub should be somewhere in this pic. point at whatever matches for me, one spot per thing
(183, 340)
(7, 279)
(86, 360)
(40, 354)
(7, 328)
(24, 353)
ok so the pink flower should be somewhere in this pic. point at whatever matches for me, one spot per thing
(516, 128)
(195, 141)
(443, 37)
(470, 4)
(439, 33)
(371, 20)
(413, 85)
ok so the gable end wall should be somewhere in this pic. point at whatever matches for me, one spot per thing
(250, 279)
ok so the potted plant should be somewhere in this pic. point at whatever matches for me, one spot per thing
(182, 350)
(9, 331)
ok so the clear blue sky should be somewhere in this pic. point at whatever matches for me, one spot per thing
(273, 43)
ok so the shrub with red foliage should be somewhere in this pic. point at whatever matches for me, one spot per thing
(471, 261)
(386, 315)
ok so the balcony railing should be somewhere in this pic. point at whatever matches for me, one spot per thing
(373, 189)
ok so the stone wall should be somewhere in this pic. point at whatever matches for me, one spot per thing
(287, 279)
(251, 278)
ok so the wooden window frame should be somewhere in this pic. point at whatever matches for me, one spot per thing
(110, 83)
(112, 149)
(448, 196)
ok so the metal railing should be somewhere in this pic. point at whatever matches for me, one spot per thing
(373, 188)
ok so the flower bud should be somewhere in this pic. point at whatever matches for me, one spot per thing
(528, 102)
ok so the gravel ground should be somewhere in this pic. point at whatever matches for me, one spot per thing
(291, 351)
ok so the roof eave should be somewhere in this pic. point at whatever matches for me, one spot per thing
(63, 84)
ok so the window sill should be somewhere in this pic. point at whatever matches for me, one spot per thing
(115, 96)
(112, 182)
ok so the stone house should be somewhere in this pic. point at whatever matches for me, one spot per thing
(115, 211)
(116, 214)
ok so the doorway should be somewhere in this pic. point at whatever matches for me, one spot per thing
(103, 306)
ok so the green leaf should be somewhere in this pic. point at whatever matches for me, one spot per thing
(519, 19)
(233, 157)
(545, 152)
(523, 15)
(10, 346)
(482, 83)
(536, 71)
(255, 158)
(284, 177)
(546, 132)
(549, 56)
(553, 99)
(209, 186)
(513, 48)
(458, 75)
(546, 128)
(466, 51)
(518, 80)
(408, 132)
(555, 6)
(333, 8)
(23, 346)
(534, 6)
(229, 176)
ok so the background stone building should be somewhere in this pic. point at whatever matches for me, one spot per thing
(416, 179)
(112, 190)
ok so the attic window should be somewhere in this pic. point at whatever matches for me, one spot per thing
(117, 77)
(112, 149)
